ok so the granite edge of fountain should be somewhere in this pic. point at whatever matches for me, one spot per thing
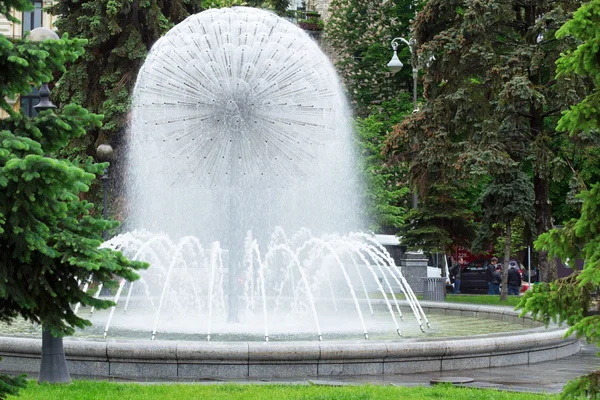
(241, 360)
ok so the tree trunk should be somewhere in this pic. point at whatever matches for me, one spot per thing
(543, 209)
(547, 269)
(504, 288)
(53, 368)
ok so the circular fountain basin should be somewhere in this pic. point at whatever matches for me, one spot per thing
(189, 360)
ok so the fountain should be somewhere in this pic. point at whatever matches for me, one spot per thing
(303, 284)
(240, 166)
(240, 134)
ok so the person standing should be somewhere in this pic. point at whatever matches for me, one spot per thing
(497, 280)
(489, 275)
(514, 279)
(455, 271)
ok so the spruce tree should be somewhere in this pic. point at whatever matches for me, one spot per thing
(575, 299)
(119, 35)
(49, 239)
(507, 198)
(441, 221)
(447, 194)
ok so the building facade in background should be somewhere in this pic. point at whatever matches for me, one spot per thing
(29, 20)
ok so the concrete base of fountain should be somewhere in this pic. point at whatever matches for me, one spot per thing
(242, 360)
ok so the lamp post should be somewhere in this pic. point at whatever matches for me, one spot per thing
(39, 35)
(396, 65)
(104, 153)
(53, 366)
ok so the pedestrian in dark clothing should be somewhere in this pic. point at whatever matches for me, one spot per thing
(489, 275)
(455, 271)
(497, 280)
(514, 280)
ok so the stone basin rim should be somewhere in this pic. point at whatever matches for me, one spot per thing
(240, 360)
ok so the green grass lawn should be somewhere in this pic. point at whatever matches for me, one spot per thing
(482, 299)
(466, 298)
(98, 390)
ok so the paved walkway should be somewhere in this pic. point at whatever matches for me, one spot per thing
(548, 377)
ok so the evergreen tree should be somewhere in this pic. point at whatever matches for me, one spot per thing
(574, 299)
(507, 198)
(119, 35)
(446, 193)
(491, 92)
(48, 238)
(441, 221)
(582, 119)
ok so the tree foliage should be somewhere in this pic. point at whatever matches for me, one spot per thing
(492, 96)
(119, 35)
(360, 32)
(446, 194)
(49, 240)
(568, 299)
(6, 7)
(48, 237)
(574, 299)
(442, 220)
(582, 118)
(509, 197)
(386, 194)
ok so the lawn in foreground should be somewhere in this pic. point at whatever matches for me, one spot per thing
(98, 390)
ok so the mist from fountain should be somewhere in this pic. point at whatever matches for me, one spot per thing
(241, 133)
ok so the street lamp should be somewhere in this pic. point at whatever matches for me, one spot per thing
(39, 35)
(53, 366)
(104, 153)
(396, 65)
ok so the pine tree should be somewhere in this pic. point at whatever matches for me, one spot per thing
(49, 240)
(582, 118)
(447, 195)
(574, 299)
